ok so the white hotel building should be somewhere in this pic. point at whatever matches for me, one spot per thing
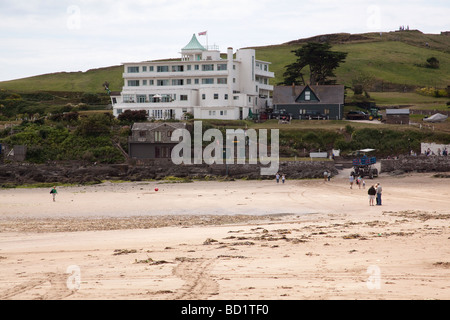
(203, 82)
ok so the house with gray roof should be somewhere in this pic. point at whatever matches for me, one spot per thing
(309, 102)
(153, 140)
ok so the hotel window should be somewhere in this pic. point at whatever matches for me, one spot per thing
(128, 98)
(163, 69)
(216, 96)
(203, 96)
(141, 99)
(208, 81)
(162, 83)
(221, 67)
(222, 81)
(144, 82)
(184, 97)
(212, 113)
(177, 82)
(144, 69)
(188, 81)
(223, 113)
(133, 69)
(307, 95)
(152, 82)
(197, 67)
(177, 68)
(226, 96)
(197, 81)
(133, 83)
(152, 68)
(189, 67)
(208, 67)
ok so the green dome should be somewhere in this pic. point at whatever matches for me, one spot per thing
(194, 45)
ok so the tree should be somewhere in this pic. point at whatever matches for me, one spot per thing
(321, 61)
(432, 63)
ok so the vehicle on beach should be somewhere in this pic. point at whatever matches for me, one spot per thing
(363, 165)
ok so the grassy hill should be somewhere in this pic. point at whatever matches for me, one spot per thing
(393, 60)
(396, 58)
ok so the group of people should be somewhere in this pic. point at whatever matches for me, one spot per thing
(375, 194)
(359, 181)
(282, 176)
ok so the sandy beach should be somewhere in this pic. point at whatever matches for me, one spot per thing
(211, 240)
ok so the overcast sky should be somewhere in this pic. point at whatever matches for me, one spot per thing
(46, 36)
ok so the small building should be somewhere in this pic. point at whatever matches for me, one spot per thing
(397, 116)
(309, 102)
(152, 140)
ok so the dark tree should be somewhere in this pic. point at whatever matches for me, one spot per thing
(433, 63)
(321, 61)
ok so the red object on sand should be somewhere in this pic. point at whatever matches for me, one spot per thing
(156, 189)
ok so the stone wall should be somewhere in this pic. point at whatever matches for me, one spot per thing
(79, 174)
(416, 164)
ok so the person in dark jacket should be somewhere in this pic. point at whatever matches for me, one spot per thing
(372, 193)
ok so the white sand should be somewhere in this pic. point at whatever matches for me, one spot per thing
(331, 245)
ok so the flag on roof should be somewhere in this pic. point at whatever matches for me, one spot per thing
(203, 33)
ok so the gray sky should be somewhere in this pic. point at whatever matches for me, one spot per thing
(46, 36)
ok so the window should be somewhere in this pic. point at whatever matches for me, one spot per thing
(196, 67)
(203, 96)
(189, 67)
(307, 95)
(222, 81)
(128, 98)
(226, 96)
(142, 134)
(184, 97)
(152, 69)
(141, 99)
(197, 81)
(236, 98)
(162, 83)
(158, 135)
(163, 69)
(208, 81)
(144, 82)
(216, 96)
(208, 67)
(133, 83)
(222, 67)
(133, 69)
(144, 69)
(177, 68)
(212, 113)
(223, 113)
(114, 100)
(188, 81)
(152, 82)
(177, 82)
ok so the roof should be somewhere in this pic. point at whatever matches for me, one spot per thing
(397, 111)
(327, 94)
(147, 126)
(194, 45)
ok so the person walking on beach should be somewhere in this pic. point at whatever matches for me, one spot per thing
(53, 192)
(325, 175)
(351, 179)
(277, 177)
(372, 192)
(379, 190)
(283, 178)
